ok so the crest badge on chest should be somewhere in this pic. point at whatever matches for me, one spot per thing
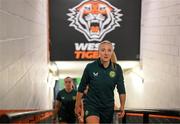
(112, 74)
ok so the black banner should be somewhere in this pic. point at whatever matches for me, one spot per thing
(78, 26)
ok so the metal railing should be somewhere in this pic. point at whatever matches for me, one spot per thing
(13, 117)
(147, 112)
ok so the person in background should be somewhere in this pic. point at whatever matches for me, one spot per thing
(65, 103)
(101, 76)
(81, 118)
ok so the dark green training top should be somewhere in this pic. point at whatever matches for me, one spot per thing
(67, 101)
(102, 82)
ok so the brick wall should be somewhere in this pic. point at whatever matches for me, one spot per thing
(160, 53)
(23, 54)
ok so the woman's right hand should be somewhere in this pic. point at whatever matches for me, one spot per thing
(78, 110)
(80, 119)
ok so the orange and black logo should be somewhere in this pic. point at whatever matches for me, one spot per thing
(94, 18)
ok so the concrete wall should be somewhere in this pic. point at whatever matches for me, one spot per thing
(160, 54)
(23, 55)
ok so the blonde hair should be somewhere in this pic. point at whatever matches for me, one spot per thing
(103, 42)
(113, 56)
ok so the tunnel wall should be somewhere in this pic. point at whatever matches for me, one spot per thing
(24, 55)
(160, 57)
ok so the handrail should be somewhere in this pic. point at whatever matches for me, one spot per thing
(147, 112)
(170, 112)
(11, 117)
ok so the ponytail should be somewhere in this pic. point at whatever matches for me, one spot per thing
(113, 57)
(113, 60)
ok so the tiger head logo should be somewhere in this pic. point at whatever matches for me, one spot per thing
(94, 18)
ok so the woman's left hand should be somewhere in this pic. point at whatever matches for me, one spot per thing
(121, 113)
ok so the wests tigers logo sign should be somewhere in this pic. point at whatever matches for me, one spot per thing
(94, 18)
